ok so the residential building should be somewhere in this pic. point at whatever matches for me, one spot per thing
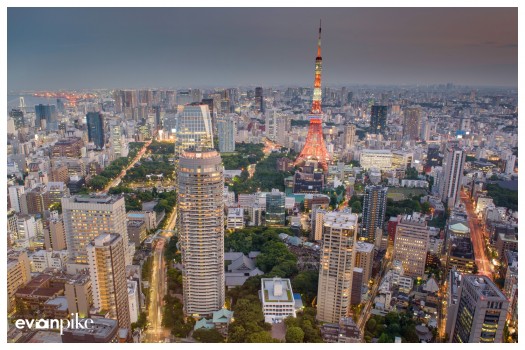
(226, 132)
(452, 175)
(106, 257)
(336, 266)
(193, 128)
(411, 244)
(374, 210)
(79, 294)
(18, 274)
(201, 230)
(235, 218)
(364, 259)
(411, 123)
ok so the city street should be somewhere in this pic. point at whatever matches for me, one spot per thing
(478, 239)
(156, 333)
(116, 181)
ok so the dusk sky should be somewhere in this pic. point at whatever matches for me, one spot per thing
(73, 48)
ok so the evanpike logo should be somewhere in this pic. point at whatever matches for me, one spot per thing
(54, 323)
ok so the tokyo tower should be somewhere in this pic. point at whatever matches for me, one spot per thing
(314, 148)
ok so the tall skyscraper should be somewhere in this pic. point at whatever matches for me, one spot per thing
(200, 185)
(46, 115)
(411, 244)
(374, 209)
(226, 131)
(378, 119)
(336, 266)
(450, 184)
(314, 147)
(275, 215)
(259, 100)
(481, 311)
(348, 136)
(193, 128)
(411, 123)
(18, 116)
(95, 126)
(158, 117)
(108, 276)
(86, 217)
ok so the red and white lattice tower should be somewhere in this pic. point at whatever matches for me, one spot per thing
(314, 148)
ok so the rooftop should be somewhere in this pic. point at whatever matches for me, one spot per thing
(276, 290)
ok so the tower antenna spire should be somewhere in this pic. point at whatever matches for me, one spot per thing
(315, 148)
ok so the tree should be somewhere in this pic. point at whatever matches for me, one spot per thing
(260, 337)
(371, 325)
(425, 208)
(208, 336)
(357, 207)
(294, 335)
(384, 338)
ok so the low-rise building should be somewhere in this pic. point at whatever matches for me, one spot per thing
(235, 218)
(277, 299)
(102, 330)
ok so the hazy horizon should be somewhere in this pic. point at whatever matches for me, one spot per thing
(106, 48)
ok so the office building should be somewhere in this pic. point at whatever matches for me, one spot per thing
(87, 216)
(108, 277)
(336, 266)
(450, 182)
(46, 117)
(18, 117)
(372, 158)
(378, 119)
(259, 100)
(374, 209)
(481, 311)
(411, 244)
(411, 123)
(275, 213)
(200, 185)
(461, 255)
(95, 127)
(193, 129)
(226, 130)
(277, 299)
(69, 148)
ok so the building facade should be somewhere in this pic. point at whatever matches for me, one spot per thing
(201, 230)
(336, 266)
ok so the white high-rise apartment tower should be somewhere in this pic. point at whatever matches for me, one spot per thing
(336, 266)
(200, 185)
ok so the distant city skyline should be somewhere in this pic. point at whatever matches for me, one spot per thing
(75, 48)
